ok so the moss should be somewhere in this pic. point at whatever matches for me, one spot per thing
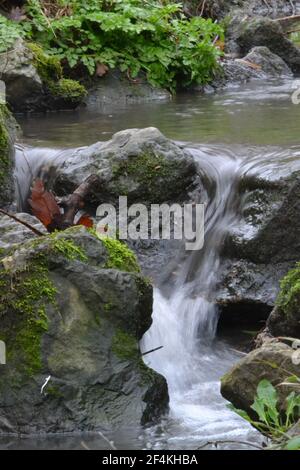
(54, 391)
(48, 67)
(125, 347)
(60, 243)
(24, 296)
(67, 89)
(120, 255)
(288, 299)
(145, 168)
(50, 70)
(5, 162)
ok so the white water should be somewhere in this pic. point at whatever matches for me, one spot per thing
(185, 321)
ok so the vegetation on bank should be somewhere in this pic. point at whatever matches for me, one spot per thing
(153, 38)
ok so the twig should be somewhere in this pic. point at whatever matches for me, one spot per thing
(203, 7)
(152, 350)
(245, 443)
(111, 444)
(287, 18)
(16, 219)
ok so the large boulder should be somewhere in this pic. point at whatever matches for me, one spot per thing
(273, 361)
(8, 132)
(141, 164)
(261, 31)
(72, 310)
(261, 248)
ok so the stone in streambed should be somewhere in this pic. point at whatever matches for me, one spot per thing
(141, 164)
(273, 362)
(73, 307)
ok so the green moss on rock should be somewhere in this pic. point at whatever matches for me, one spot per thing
(5, 162)
(67, 89)
(50, 70)
(48, 67)
(125, 347)
(288, 299)
(150, 170)
(23, 299)
(120, 256)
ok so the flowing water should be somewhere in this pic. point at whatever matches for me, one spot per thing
(251, 129)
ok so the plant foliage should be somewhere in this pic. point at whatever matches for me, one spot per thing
(136, 36)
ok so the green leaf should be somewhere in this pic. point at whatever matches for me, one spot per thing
(293, 444)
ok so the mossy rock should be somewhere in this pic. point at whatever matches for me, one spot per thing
(141, 164)
(62, 92)
(67, 313)
(8, 133)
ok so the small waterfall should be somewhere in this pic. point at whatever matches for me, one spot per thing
(185, 317)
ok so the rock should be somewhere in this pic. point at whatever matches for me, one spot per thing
(261, 249)
(34, 81)
(114, 90)
(23, 84)
(259, 64)
(73, 309)
(273, 362)
(141, 164)
(9, 130)
(269, 209)
(13, 233)
(271, 64)
(219, 9)
(263, 32)
(285, 318)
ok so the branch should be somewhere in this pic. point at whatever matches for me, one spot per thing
(16, 219)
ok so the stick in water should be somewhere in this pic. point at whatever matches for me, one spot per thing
(152, 350)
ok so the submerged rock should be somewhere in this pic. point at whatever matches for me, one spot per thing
(141, 164)
(9, 130)
(273, 362)
(73, 308)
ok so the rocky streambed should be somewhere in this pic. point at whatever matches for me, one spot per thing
(76, 307)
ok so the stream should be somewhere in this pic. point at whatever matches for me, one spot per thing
(250, 129)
